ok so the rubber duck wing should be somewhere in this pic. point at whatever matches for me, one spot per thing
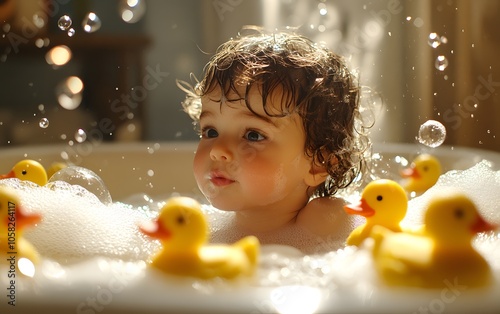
(222, 261)
(412, 250)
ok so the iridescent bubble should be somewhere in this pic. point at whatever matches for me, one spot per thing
(432, 133)
(80, 136)
(44, 123)
(64, 22)
(91, 23)
(441, 63)
(434, 40)
(85, 178)
(71, 32)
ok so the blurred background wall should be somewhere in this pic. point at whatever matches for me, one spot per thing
(421, 60)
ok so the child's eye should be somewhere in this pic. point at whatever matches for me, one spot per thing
(254, 136)
(209, 133)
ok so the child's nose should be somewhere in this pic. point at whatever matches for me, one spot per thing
(221, 152)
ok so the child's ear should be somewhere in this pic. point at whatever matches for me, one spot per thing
(317, 174)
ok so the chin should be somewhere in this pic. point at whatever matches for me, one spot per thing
(225, 205)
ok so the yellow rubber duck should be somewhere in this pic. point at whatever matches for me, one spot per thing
(442, 254)
(423, 173)
(13, 221)
(29, 170)
(182, 229)
(383, 202)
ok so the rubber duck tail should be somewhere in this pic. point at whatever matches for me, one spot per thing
(250, 245)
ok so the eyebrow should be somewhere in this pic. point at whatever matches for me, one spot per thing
(249, 114)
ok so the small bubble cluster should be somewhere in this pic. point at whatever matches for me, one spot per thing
(91, 23)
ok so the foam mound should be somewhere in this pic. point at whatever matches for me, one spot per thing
(96, 245)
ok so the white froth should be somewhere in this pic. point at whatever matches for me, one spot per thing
(479, 183)
(224, 230)
(76, 225)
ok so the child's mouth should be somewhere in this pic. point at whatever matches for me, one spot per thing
(219, 179)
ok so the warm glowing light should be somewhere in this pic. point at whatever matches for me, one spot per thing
(127, 15)
(59, 55)
(75, 85)
(69, 93)
(26, 267)
(132, 3)
(131, 11)
(296, 299)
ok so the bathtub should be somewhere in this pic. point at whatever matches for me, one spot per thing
(163, 169)
(158, 169)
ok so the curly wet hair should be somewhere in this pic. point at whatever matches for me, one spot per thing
(317, 85)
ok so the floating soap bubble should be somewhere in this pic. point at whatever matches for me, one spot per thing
(71, 32)
(80, 136)
(44, 123)
(434, 40)
(441, 63)
(85, 178)
(69, 92)
(432, 133)
(91, 23)
(387, 167)
(132, 11)
(64, 22)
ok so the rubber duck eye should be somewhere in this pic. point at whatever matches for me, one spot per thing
(459, 213)
(24, 172)
(181, 220)
(426, 168)
(379, 197)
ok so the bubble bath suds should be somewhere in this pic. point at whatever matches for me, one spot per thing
(85, 244)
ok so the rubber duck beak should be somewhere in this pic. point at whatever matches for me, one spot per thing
(410, 173)
(11, 174)
(482, 225)
(155, 230)
(362, 208)
(23, 219)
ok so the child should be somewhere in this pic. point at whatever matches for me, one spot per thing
(277, 115)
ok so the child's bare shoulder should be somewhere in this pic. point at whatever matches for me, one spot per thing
(326, 216)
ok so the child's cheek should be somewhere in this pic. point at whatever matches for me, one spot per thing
(261, 172)
(199, 162)
(247, 153)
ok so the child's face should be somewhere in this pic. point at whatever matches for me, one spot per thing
(244, 161)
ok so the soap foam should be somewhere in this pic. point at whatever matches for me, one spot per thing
(479, 183)
(77, 226)
(224, 230)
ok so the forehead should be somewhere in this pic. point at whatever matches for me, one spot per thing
(274, 105)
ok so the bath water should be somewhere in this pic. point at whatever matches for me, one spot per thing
(93, 251)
